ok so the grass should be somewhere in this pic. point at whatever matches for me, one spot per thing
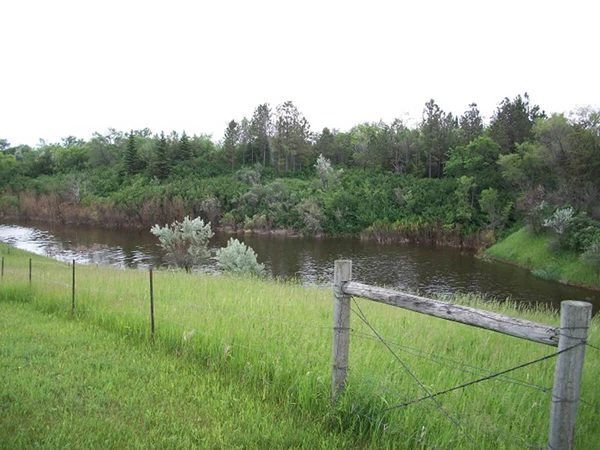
(245, 363)
(534, 252)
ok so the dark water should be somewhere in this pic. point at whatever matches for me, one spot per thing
(428, 270)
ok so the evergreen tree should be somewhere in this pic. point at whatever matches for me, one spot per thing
(131, 156)
(185, 149)
(231, 142)
(162, 165)
(512, 123)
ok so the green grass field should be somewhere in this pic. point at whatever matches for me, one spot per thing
(245, 363)
(533, 252)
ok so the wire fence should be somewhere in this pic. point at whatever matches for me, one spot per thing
(186, 319)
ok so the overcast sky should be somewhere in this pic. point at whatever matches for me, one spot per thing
(75, 67)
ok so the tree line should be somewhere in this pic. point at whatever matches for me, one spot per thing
(271, 170)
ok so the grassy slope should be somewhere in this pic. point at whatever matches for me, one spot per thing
(532, 252)
(265, 349)
(71, 384)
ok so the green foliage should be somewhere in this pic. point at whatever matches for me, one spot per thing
(476, 160)
(312, 215)
(559, 223)
(512, 123)
(591, 255)
(240, 259)
(185, 243)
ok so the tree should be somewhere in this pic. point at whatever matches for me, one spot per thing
(231, 142)
(471, 125)
(185, 149)
(185, 243)
(260, 133)
(162, 165)
(292, 141)
(512, 123)
(131, 157)
(478, 160)
(4, 144)
(437, 129)
(325, 144)
(238, 258)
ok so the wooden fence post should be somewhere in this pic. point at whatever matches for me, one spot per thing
(341, 327)
(574, 323)
(73, 292)
(3, 267)
(29, 270)
(151, 305)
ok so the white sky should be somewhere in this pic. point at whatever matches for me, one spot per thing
(75, 67)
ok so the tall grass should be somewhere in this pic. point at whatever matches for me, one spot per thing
(275, 339)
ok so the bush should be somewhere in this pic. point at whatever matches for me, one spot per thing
(240, 259)
(186, 243)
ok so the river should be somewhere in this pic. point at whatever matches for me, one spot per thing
(427, 270)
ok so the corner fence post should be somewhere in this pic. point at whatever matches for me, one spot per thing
(341, 328)
(574, 323)
(73, 292)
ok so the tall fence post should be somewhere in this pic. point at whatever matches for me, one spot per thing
(29, 270)
(574, 323)
(73, 292)
(151, 305)
(3, 267)
(341, 328)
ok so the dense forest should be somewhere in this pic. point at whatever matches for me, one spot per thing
(447, 179)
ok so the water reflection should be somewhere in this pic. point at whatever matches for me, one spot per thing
(427, 270)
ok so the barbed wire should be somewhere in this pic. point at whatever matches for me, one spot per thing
(440, 407)
(489, 377)
(461, 416)
(432, 357)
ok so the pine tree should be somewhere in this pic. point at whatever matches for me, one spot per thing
(162, 165)
(185, 149)
(131, 157)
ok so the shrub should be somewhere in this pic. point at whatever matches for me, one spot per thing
(240, 259)
(185, 243)
(559, 223)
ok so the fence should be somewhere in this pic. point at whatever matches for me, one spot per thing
(570, 338)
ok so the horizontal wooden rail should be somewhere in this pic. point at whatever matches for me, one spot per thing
(525, 329)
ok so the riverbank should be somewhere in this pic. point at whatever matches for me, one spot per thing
(532, 252)
(272, 341)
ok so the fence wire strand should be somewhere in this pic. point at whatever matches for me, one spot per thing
(440, 407)
(448, 362)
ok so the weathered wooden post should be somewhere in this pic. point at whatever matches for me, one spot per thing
(151, 305)
(3, 267)
(73, 292)
(574, 323)
(341, 327)
(30, 271)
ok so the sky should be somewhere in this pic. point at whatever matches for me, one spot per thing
(78, 67)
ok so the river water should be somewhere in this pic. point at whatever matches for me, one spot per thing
(427, 270)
